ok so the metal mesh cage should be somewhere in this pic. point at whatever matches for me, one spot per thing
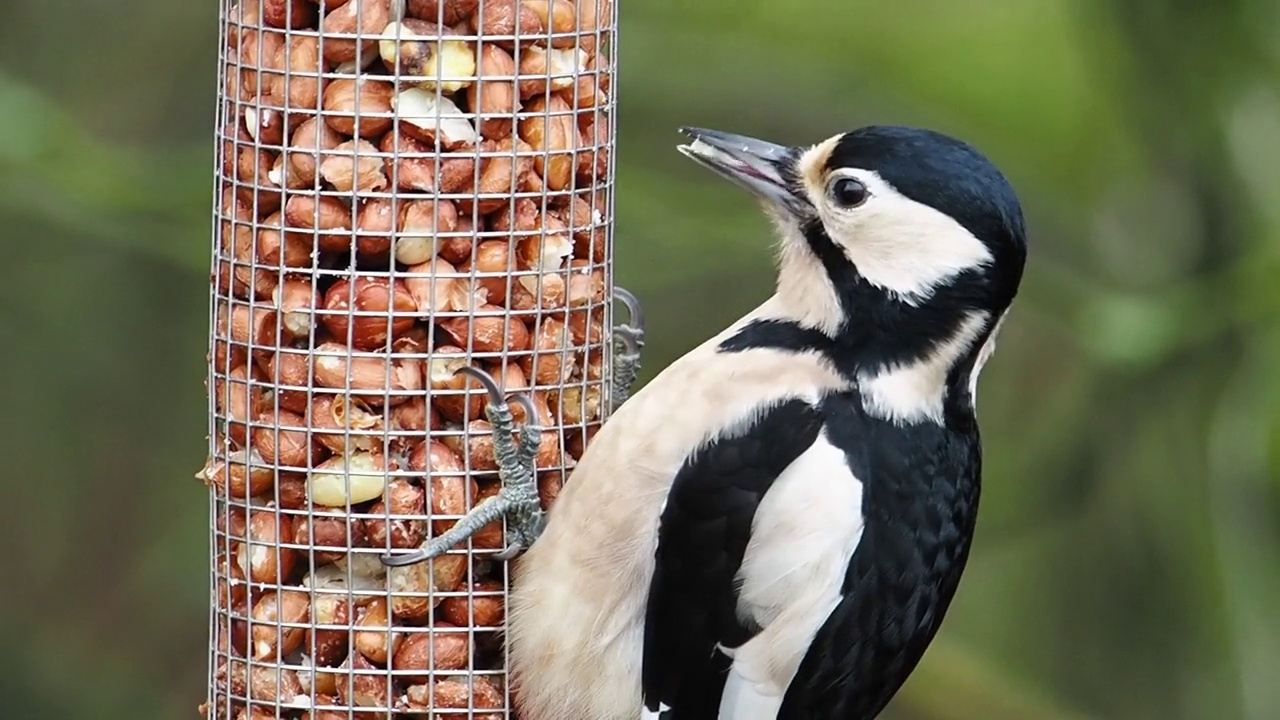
(413, 230)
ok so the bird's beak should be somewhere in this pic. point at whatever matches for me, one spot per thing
(757, 165)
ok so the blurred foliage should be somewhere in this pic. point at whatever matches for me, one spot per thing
(1128, 558)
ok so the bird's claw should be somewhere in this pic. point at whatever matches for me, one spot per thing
(517, 501)
(523, 539)
(632, 303)
(509, 553)
(629, 339)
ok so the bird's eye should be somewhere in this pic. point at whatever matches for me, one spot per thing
(846, 192)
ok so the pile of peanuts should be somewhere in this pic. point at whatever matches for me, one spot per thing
(405, 188)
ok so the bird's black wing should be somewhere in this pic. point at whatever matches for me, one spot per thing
(702, 536)
(920, 498)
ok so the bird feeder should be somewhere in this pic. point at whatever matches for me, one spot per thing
(412, 338)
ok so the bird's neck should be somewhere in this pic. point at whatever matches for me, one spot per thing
(910, 364)
(804, 292)
(913, 359)
(930, 382)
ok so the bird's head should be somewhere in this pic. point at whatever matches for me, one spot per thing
(898, 239)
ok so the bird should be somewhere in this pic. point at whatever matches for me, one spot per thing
(774, 526)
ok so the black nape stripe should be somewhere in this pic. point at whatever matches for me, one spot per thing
(840, 269)
(776, 335)
(878, 329)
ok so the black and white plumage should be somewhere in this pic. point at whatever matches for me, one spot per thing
(775, 525)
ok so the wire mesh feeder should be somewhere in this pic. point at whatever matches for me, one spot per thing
(412, 330)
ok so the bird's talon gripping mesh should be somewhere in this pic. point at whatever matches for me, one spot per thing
(412, 268)
(628, 341)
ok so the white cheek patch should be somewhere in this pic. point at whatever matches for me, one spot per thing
(899, 245)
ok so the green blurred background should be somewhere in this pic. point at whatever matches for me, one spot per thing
(1128, 559)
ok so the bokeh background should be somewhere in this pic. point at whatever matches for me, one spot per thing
(1128, 559)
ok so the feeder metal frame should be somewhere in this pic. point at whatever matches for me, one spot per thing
(265, 426)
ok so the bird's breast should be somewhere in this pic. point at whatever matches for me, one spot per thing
(632, 461)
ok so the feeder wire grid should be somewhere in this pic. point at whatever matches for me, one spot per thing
(412, 338)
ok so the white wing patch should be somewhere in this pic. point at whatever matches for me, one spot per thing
(745, 699)
(647, 714)
(802, 538)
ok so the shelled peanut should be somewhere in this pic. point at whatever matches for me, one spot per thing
(406, 187)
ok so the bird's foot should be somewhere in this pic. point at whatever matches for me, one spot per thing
(628, 342)
(517, 501)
